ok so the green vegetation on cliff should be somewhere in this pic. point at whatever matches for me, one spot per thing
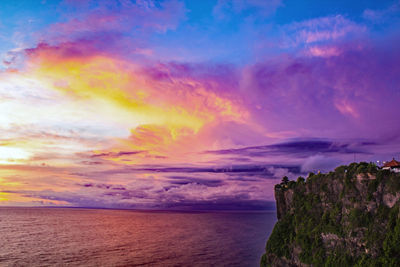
(349, 217)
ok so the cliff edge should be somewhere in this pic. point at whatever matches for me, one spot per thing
(349, 217)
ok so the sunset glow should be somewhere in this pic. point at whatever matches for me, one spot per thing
(176, 104)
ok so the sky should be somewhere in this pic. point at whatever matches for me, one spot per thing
(190, 104)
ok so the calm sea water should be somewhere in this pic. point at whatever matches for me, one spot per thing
(88, 237)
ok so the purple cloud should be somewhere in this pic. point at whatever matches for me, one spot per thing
(353, 95)
(299, 149)
(319, 163)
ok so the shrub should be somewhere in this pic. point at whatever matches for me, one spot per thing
(309, 218)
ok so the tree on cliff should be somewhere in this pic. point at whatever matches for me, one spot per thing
(347, 217)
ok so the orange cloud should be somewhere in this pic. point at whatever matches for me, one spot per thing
(158, 112)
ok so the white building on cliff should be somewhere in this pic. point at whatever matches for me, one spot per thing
(392, 165)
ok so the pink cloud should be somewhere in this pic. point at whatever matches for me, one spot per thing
(324, 51)
(116, 17)
(346, 108)
(333, 90)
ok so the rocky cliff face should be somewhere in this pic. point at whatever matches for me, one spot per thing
(349, 217)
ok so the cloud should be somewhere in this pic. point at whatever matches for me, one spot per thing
(170, 102)
(116, 154)
(319, 163)
(106, 123)
(175, 193)
(239, 169)
(98, 17)
(318, 30)
(302, 148)
(104, 186)
(327, 96)
(113, 27)
(281, 172)
(182, 180)
(226, 8)
(324, 51)
(382, 15)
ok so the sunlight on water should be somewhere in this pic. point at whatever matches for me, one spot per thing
(86, 237)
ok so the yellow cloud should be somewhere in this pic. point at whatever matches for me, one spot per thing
(13, 155)
(157, 112)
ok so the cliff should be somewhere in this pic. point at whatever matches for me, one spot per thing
(349, 217)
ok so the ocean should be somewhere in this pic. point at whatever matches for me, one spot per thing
(100, 237)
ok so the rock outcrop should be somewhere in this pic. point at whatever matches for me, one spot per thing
(349, 217)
